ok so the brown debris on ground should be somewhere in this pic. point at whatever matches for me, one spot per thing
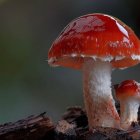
(32, 128)
(72, 126)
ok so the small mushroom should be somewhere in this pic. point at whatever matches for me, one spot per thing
(128, 94)
(96, 44)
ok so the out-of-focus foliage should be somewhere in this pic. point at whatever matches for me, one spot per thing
(2, 1)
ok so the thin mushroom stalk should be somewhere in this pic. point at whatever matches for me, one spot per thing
(128, 93)
(129, 112)
(99, 102)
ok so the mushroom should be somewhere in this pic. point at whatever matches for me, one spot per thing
(96, 44)
(128, 94)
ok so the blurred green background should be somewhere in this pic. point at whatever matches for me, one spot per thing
(27, 28)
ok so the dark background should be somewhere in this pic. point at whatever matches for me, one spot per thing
(28, 85)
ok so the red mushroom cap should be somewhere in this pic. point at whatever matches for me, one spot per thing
(127, 88)
(98, 36)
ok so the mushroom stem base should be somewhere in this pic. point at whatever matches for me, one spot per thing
(99, 102)
(129, 112)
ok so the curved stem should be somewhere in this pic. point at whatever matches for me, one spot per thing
(99, 102)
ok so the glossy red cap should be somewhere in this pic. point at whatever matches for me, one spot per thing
(98, 36)
(127, 88)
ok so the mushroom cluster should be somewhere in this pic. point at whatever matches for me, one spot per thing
(96, 44)
(128, 94)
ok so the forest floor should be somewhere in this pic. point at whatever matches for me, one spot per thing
(72, 126)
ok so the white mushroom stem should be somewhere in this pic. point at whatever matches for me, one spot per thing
(129, 112)
(99, 102)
